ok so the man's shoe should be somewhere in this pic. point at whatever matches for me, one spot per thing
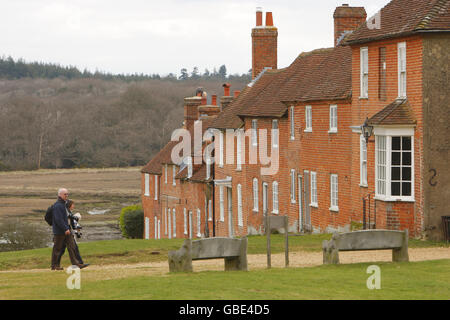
(82, 266)
(57, 268)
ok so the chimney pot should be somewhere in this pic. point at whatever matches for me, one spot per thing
(269, 19)
(236, 93)
(259, 16)
(214, 100)
(226, 87)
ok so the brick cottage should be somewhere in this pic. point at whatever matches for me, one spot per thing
(351, 136)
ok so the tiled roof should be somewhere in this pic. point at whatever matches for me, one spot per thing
(397, 113)
(405, 17)
(323, 74)
(154, 166)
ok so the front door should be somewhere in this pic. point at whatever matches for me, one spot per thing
(230, 212)
(300, 204)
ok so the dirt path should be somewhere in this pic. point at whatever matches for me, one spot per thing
(255, 261)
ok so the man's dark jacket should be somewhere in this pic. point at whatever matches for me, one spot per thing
(60, 218)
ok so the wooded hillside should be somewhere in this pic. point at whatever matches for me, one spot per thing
(92, 122)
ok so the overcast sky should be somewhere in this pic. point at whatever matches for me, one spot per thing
(162, 36)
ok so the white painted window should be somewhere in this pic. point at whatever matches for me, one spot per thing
(334, 192)
(159, 229)
(254, 132)
(174, 221)
(255, 195)
(363, 162)
(292, 122)
(239, 136)
(293, 180)
(189, 161)
(314, 201)
(210, 213)
(185, 220)
(394, 171)
(165, 173)
(199, 221)
(221, 149)
(402, 70)
(174, 173)
(275, 133)
(156, 228)
(333, 119)
(156, 187)
(308, 118)
(169, 227)
(147, 185)
(221, 204)
(240, 217)
(364, 52)
(147, 228)
(275, 197)
(208, 168)
(165, 221)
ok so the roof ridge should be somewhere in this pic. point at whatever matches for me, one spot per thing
(435, 9)
(398, 102)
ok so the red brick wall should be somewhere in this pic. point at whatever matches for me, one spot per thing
(398, 215)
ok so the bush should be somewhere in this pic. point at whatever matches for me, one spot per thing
(131, 222)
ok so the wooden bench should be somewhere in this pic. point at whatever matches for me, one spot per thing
(397, 241)
(233, 251)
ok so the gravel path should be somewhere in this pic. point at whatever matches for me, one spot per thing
(255, 261)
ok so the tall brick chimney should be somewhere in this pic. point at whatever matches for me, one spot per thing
(264, 44)
(346, 20)
(191, 105)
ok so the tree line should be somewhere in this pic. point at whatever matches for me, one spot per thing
(18, 69)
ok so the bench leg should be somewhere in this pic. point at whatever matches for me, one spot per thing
(330, 252)
(401, 254)
(181, 260)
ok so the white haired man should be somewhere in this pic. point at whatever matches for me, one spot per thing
(62, 234)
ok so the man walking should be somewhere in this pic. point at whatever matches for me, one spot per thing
(62, 233)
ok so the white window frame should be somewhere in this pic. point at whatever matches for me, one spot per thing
(208, 168)
(147, 185)
(292, 122)
(210, 216)
(314, 201)
(364, 73)
(240, 209)
(165, 220)
(190, 169)
(239, 136)
(165, 173)
(199, 223)
(174, 173)
(221, 149)
(222, 203)
(255, 195)
(275, 133)
(387, 134)
(275, 197)
(174, 221)
(362, 161)
(308, 119)
(156, 187)
(254, 131)
(185, 221)
(293, 180)
(333, 119)
(334, 193)
(402, 81)
(156, 227)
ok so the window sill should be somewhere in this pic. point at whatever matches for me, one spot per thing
(292, 138)
(307, 130)
(239, 169)
(363, 185)
(293, 201)
(332, 131)
(363, 98)
(255, 210)
(275, 212)
(393, 199)
(314, 205)
(147, 195)
(334, 209)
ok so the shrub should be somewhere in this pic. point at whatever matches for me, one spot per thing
(131, 222)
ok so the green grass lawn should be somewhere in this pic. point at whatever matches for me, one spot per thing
(134, 251)
(415, 280)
